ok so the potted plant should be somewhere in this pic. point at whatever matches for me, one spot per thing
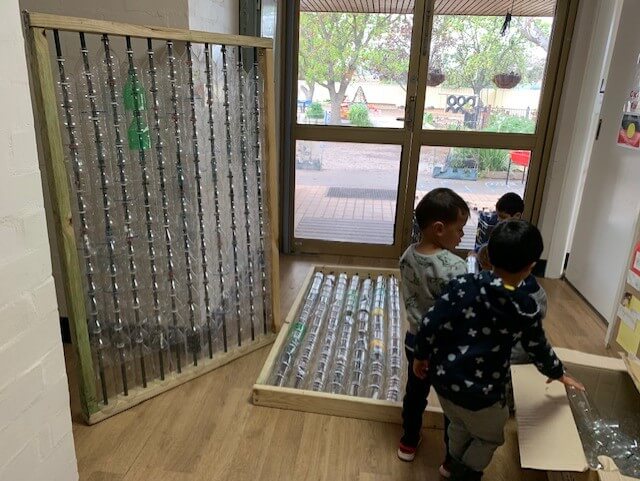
(507, 80)
(435, 77)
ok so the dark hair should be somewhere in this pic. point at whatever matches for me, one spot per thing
(440, 205)
(514, 245)
(510, 203)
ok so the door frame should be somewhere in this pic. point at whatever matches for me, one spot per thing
(412, 137)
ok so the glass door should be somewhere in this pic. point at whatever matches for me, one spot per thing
(390, 99)
(355, 82)
(485, 101)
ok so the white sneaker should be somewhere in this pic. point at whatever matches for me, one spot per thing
(444, 472)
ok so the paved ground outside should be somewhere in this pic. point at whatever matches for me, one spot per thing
(353, 197)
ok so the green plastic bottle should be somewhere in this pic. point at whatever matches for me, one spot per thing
(134, 95)
(139, 136)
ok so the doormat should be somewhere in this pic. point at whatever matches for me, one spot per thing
(360, 193)
(345, 230)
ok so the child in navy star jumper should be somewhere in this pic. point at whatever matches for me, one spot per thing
(464, 346)
(426, 267)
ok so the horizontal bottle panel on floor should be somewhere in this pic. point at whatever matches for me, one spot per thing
(340, 350)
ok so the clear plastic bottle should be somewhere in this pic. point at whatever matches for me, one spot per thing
(321, 365)
(297, 332)
(377, 357)
(315, 325)
(338, 376)
(394, 348)
(361, 344)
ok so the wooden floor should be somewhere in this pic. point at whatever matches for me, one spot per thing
(208, 429)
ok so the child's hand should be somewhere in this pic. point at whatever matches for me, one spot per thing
(420, 368)
(567, 381)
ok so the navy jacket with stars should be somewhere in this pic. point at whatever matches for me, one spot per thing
(468, 335)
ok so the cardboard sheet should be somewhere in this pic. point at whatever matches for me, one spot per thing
(592, 360)
(547, 434)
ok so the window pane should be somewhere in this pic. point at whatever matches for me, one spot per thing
(352, 68)
(346, 192)
(480, 176)
(268, 15)
(479, 79)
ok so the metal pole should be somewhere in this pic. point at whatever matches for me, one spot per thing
(245, 192)
(183, 201)
(227, 108)
(198, 177)
(77, 168)
(165, 210)
(216, 193)
(261, 215)
(119, 334)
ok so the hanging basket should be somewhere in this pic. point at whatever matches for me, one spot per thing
(435, 77)
(507, 80)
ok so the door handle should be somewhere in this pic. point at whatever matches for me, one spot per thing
(409, 111)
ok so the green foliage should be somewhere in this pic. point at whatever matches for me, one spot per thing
(359, 115)
(428, 118)
(492, 160)
(485, 160)
(510, 123)
(315, 111)
(471, 51)
(336, 46)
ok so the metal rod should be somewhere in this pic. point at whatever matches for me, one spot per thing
(216, 192)
(159, 145)
(311, 339)
(198, 177)
(377, 358)
(121, 162)
(297, 332)
(395, 353)
(361, 345)
(183, 200)
(77, 169)
(245, 192)
(227, 108)
(258, 166)
(325, 353)
(119, 334)
(340, 363)
(146, 198)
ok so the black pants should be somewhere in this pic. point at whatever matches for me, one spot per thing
(415, 402)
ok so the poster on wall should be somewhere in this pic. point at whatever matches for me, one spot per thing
(629, 330)
(635, 260)
(629, 132)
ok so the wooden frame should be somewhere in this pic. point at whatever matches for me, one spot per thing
(412, 137)
(50, 141)
(265, 394)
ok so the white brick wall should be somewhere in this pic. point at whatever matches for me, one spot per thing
(36, 442)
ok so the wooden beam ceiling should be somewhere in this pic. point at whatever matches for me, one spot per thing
(525, 8)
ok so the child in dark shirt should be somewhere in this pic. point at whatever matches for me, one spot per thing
(465, 341)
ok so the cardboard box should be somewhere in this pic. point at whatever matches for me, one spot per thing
(548, 436)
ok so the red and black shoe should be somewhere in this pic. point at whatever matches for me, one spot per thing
(407, 453)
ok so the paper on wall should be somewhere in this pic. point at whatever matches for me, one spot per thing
(633, 280)
(628, 338)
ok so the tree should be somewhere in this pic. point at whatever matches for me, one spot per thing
(472, 50)
(390, 60)
(334, 47)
